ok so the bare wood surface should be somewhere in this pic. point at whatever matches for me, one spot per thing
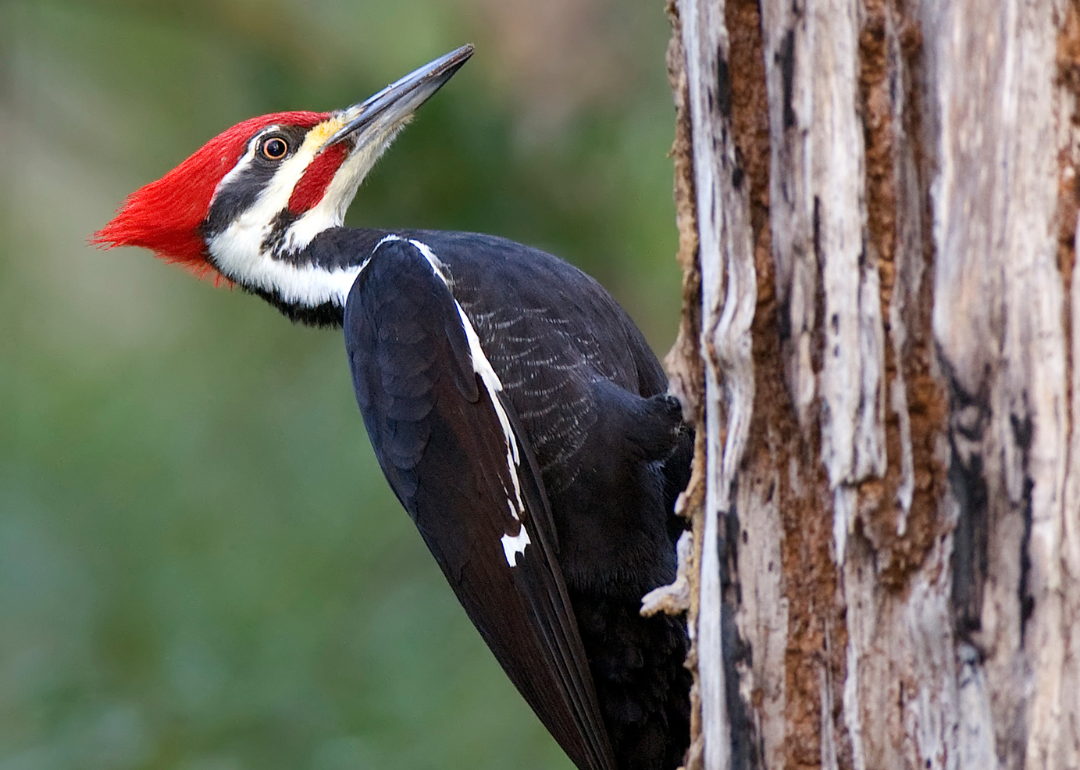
(727, 310)
(887, 207)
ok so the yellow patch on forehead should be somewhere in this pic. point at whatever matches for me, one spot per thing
(320, 133)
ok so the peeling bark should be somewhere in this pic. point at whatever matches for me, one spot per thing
(728, 293)
(878, 212)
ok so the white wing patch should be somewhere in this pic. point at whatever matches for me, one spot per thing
(512, 544)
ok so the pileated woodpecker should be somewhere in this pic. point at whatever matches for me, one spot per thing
(514, 407)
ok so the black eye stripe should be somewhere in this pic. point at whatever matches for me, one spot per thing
(254, 172)
(246, 182)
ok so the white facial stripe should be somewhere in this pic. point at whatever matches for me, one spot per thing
(238, 250)
(244, 162)
(330, 210)
(275, 197)
(512, 544)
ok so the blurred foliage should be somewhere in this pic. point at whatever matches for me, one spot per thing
(201, 567)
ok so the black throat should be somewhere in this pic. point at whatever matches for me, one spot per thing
(327, 315)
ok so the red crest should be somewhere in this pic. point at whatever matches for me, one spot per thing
(164, 216)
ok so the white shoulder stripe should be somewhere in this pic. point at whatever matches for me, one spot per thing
(436, 264)
(512, 544)
(386, 239)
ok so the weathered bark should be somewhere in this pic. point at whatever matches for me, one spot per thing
(878, 208)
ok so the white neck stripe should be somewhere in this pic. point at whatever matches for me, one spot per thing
(238, 253)
(512, 545)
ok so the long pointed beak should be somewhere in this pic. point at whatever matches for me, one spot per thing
(400, 99)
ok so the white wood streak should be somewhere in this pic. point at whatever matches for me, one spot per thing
(997, 321)
(975, 742)
(851, 381)
(817, 189)
(829, 759)
(862, 618)
(702, 24)
(1068, 723)
(926, 652)
(762, 617)
(908, 258)
(1051, 633)
(845, 510)
(789, 71)
(967, 282)
(728, 301)
(817, 153)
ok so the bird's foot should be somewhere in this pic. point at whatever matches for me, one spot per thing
(673, 599)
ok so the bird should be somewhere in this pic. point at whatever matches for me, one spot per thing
(515, 409)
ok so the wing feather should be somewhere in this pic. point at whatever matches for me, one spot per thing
(453, 450)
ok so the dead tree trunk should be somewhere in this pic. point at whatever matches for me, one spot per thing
(878, 213)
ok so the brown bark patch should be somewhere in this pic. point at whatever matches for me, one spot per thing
(1068, 75)
(817, 635)
(683, 362)
(889, 47)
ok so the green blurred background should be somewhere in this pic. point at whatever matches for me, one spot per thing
(201, 566)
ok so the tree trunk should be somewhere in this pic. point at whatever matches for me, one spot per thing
(877, 206)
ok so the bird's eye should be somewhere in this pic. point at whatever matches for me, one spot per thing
(274, 148)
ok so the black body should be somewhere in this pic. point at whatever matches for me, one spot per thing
(515, 409)
(603, 453)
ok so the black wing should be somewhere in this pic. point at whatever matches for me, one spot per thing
(450, 445)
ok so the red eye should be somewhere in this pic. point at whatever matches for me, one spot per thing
(274, 148)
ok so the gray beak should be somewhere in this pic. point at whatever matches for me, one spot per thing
(399, 100)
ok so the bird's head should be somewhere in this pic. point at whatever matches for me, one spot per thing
(249, 202)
